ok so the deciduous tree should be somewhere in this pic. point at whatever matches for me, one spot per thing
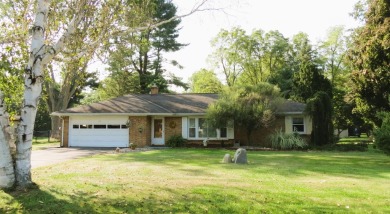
(205, 81)
(250, 107)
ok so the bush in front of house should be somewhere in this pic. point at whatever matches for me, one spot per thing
(283, 141)
(176, 141)
(382, 133)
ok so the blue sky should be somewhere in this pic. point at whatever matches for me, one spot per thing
(313, 17)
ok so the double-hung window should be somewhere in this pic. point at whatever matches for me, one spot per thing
(298, 125)
(192, 128)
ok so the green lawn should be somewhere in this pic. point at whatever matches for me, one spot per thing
(44, 142)
(195, 181)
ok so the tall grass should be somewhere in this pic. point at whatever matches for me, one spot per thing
(280, 140)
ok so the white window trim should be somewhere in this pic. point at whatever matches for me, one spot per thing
(197, 131)
(304, 125)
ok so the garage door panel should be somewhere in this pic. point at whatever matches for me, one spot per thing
(98, 137)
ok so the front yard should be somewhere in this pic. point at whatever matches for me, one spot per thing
(195, 181)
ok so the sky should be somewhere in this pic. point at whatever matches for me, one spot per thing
(314, 17)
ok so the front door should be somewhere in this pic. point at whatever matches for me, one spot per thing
(158, 131)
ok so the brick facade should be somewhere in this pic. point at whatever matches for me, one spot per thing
(65, 132)
(211, 143)
(260, 136)
(172, 127)
(140, 130)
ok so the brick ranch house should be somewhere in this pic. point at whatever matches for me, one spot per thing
(151, 119)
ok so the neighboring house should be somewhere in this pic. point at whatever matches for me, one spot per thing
(151, 119)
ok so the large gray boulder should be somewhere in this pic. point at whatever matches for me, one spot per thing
(227, 159)
(240, 156)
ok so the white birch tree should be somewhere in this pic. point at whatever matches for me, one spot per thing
(15, 168)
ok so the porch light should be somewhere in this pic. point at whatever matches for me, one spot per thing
(140, 129)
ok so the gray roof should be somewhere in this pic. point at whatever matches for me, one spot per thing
(163, 104)
(148, 104)
(291, 107)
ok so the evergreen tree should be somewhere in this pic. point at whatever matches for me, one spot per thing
(142, 52)
(369, 56)
(320, 109)
(308, 78)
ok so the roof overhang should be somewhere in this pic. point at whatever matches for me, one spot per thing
(125, 114)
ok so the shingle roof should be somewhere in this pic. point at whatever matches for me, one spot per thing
(291, 107)
(145, 104)
(148, 104)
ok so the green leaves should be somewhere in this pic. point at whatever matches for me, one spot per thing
(250, 107)
(205, 81)
(369, 56)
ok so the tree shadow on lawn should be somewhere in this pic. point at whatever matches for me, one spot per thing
(52, 201)
(35, 200)
(291, 163)
(198, 200)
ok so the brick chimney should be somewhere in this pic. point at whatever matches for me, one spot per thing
(154, 89)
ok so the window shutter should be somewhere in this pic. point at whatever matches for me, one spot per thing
(230, 130)
(184, 127)
(308, 124)
(288, 124)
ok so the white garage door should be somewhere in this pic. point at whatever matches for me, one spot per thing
(98, 131)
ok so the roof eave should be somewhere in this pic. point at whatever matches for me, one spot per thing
(60, 114)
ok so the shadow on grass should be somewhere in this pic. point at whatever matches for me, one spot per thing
(200, 200)
(206, 199)
(38, 201)
(290, 164)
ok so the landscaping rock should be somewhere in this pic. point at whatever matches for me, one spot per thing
(227, 159)
(240, 156)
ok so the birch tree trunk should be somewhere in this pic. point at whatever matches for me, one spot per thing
(33, 79)
(7, 173)
(40, 56)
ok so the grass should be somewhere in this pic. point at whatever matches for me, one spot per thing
(195, 181)
(355, 140)
(43, 143)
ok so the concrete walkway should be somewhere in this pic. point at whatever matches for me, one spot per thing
(54, 155)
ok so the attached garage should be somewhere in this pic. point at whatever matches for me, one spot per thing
(98, 131)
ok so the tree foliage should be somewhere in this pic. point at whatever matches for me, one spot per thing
(369, 56)
(382, 133)
(205, 81)
(250, 107)
(319, 107)
(142, 51)
(308, 78)
(227, 56)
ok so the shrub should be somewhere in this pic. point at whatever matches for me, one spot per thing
(382, 134)
(176, 141)
(281, 140)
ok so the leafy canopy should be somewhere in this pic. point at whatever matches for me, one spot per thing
(250, 107)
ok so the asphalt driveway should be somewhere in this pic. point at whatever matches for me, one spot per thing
(54, 155)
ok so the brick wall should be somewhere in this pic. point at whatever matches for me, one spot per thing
(65, 132)
(140, 130)
(172, 127)
(259, 137)
(211, 143)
